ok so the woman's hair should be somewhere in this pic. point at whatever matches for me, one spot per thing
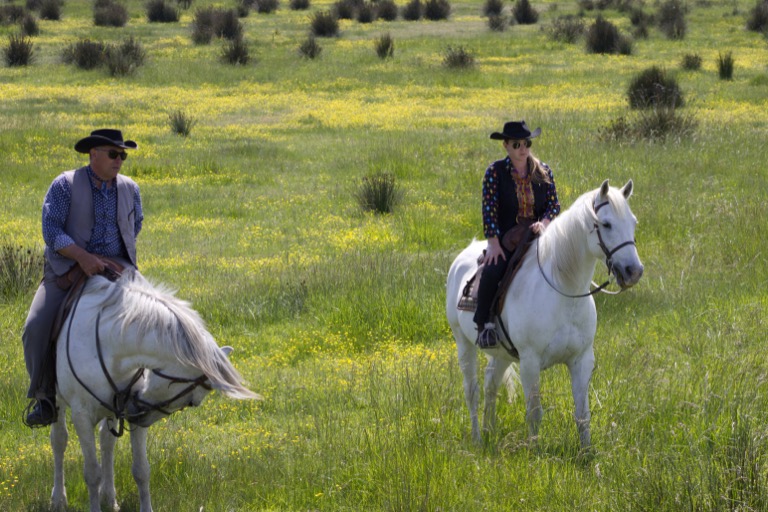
(536, 170)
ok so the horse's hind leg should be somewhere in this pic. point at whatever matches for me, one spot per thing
(91, 467)
(530, 372)
(140, 467)
(59, 439)
(581, 373)
(107, 442)
(494, 373)
(467, 354)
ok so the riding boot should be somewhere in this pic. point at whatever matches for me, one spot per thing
(43, 414)
(487, 336)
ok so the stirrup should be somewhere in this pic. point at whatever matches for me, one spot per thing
(30, 408)
(487, 338)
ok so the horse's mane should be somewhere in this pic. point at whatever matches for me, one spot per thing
(146, 307)
(562, 242)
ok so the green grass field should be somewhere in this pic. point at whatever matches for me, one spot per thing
(337, 316)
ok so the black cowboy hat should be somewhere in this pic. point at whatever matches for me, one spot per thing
(515, 130)
(104, 137)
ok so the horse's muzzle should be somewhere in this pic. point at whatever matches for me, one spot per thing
(628, 276)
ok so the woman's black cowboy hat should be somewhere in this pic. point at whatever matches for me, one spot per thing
(104, 137)
(515, 130)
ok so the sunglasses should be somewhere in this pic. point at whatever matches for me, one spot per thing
(113, 153)
(516, 144)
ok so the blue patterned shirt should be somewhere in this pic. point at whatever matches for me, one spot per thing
(105, 237)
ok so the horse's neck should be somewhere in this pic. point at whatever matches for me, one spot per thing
(567, 257)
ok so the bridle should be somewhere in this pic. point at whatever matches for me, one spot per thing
(608, 260)
(123, 398)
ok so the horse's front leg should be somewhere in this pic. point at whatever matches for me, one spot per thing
(59, 439)
(140, 466)
(91, 467)
(530, 371)
(581, 373)
(467, 354)
(107, 441)
(494, 372)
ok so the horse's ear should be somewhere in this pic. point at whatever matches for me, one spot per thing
(604, 190)
(627, 189)
(227, 350)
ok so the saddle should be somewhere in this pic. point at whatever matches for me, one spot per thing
(517, 240)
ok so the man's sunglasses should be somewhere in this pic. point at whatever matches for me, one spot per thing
(113, 153)
(516, 144)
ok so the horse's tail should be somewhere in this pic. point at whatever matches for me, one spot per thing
(511, 380)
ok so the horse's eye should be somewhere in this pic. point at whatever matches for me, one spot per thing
(607, 225)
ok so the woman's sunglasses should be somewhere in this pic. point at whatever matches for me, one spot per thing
(516, 143)
(113, 153)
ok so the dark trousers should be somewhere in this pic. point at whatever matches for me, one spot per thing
(489, 284)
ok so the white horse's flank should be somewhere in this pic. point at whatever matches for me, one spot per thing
(546, 326)
(139, 326)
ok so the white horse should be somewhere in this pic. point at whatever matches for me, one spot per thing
(129, 351)
(548, 313)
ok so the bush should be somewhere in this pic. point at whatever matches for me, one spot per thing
(267, 6)
(387, 10)
(653, 88)
(671, 16)
(497, 22)
(204, 25)
(158, 11)
(181, 123)
(725, 66)
(366, 13)
(50, 10)
(226, 24)
(604, 37)
(436, 10)
(345, 9)
(108, 14)
(125, 58)
(85, 54)
(493, 7)
(29, 26)
(567, 29)
(310, 48)
(524, 14)
(11, 13)
(19, 52)
(378, 193)
(758, 17)
(20, 270)
(413, 10)
(458, 57)
(299, 5)
(691, 61)
(651, 124)
(385, 46)
(324, 24)
(236, 52)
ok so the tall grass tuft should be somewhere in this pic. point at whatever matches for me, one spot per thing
(236, 52)
(458, 57)
(20, 270)
(385, 46)
(436, 10)
(725, 65)
(524, 13)
(29, 26)
(19, 52)
(378, 192)
(324, 24)
(181, 123)
(310, 48)
(691, 61)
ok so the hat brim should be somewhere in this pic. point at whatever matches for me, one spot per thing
(92, 141)
(516, 136)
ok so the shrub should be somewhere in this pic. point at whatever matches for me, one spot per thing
(366, 13)
(385, 46)
(725, 65)
(387, 10)
(19, 51)
(567, 29)
(267, 6)
(227, 24)
(378, 193)
(29, 26)
(236, 52)
(671, 16)
(125, 58)
(20, 270)
(181, 123)
(50, 10)
(108, 14)
(243, 8)
(345, 9)
(158, 11)
(758, 17)
(650, 124)
(497, 22)
(691, 61)
(299, 5)
(324, 24)
(458, 57)
(604, 37)
(524, 14)
(85, 54)
(436, 10)
(204, 25)
(413, 10)
(310, 48)
(493, 7)
(11, 13)
(653, 88)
